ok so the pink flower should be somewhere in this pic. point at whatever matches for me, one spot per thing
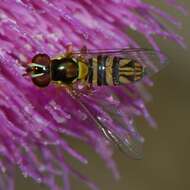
(33, 121)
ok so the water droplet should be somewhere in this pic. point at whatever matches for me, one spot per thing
(82, 115)
(85, 35)
(61, 120)
(42, 168)
(39, 180)
(3, 169)
(25, 174)
(57, 142)
(39, 120)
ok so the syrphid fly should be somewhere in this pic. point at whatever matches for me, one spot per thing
(96, 68)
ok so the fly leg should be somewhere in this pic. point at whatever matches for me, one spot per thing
(83, 50)
(84, 87)
(83, 53)
(73, 92)
(89, 89)
(69, 50)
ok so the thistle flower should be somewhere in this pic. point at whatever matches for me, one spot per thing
(33, 121)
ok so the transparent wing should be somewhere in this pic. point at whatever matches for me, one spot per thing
(152, 60)
(110, 51)
(111, 123)
(113, 119)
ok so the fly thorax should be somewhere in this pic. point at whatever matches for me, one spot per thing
(64, 70)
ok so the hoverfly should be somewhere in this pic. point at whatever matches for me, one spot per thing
(91, 68)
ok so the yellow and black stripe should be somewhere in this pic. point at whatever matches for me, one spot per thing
(130, 71)
(101, 70)
(97, 70)
(113, 70)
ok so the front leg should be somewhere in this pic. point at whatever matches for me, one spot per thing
(69, 50)
(73, 92)
(69, 89)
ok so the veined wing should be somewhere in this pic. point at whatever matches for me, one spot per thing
(124, 136)
(152, 60)
(116, 130)
(111, 51)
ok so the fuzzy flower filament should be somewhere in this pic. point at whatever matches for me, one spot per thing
(34, 121)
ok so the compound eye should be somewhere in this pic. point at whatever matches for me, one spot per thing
(41, 70)
(42, 59)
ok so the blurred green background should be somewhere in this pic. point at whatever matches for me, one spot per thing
(167, 149)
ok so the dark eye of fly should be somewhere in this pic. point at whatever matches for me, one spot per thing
(38, 70)
(41, 70)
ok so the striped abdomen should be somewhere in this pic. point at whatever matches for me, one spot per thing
(112, 70)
